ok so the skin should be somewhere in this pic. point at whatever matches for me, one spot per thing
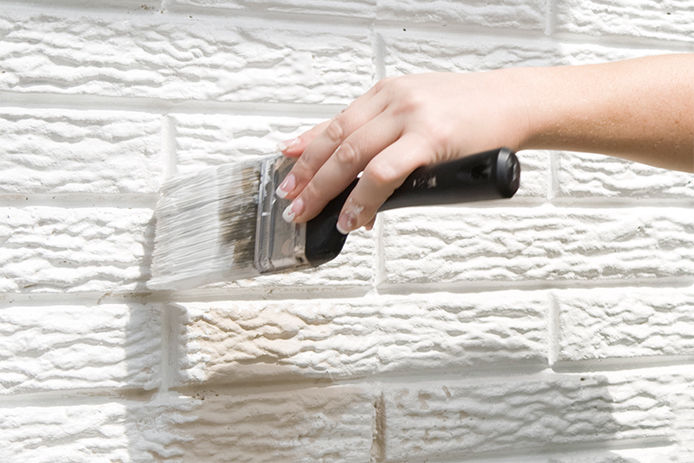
(641, 110)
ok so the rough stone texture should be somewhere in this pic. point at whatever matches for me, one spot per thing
(548, 244)
(52, 249)
(204, 140)
(516, 14)
(365, 358)
(63, 151)
(628, 322)
(410, 52)
(64, 347)
(348, 8)
(176, 58)
(427, 421)
(661, 20)
(250, 341)
(331, 424)
(581, 175)
(97, 430)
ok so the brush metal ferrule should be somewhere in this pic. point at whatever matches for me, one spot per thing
(278, 245)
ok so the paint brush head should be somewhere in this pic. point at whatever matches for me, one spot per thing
(206, 226)
(224, 223)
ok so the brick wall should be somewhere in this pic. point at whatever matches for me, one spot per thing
(556, 327)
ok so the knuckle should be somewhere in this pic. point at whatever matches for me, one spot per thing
(335, 129)
(381, 173)
(382, 84)
(347, 154)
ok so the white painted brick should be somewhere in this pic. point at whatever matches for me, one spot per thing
(349, 8)
(54, 151)
(331, 424)
(407, 52)
(458, 245)
(133, 6)
(627, 322)
(68, 347)
(177, 57)
(124, 431)
(515, 14)
(52, 249)
(304, 339)
(427, 421)
(662, 20)
(204, 140)
(581, 175)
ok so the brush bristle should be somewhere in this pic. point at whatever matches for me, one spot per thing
(206, 227)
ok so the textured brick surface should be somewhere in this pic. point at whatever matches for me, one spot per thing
(304, 425)
(232, 342)
(410, 52)
(666, 20)
(118, 430)
(436, 420)
(516, 14)
(555, 327)
(177, 59)
(51, 249)
(457, 245)
(66, 347)
(207, 140)
(349, 8)
(628, 322)
(581, 175)
(64, 151)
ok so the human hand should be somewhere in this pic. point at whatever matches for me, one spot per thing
(400, 124)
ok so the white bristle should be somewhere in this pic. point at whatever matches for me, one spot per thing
(205, 227)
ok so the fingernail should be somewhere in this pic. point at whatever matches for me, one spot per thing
(286, 186)
(287, 144)
(348, 218)
(294, 209)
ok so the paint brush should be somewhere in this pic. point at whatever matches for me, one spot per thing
(225, 223)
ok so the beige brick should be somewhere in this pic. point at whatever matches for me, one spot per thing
(227, 342)
(447, 420)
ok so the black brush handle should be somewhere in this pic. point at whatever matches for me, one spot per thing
(484, 176)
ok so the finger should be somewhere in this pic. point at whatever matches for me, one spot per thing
(361, 111)
(343, 166)
(370, 224)
(386, 172)
(294, 147)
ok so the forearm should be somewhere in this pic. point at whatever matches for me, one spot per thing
(641, 109)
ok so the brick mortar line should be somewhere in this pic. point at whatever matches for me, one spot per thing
(160, 106)
(321, 293)
(466, 287)
(481, 376)
(80, 200)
